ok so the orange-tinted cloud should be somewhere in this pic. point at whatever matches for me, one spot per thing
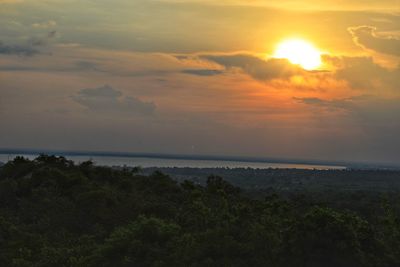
(256, 67)
(365, 74)
(367, 37)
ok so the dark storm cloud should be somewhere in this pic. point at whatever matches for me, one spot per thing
(203, 72)
(367, 37)
(108, 99)
(256, 67)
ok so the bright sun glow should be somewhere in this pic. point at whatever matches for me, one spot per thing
(299, 52)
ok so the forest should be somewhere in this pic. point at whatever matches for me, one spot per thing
(54, 212)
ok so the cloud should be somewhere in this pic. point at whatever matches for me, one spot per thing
(364, 73)
(377, 116)
(104, 91)
(367, 37)
(10, 1)
(203, 72)
(74, 66)
(42, 40)
(310, 100)
(302, 5)
(108, 99)
(20, 50)
(46, 24)
(86, 65)
(369, 109)
(374, 119)
(30, 48)
(343, 103)
(256, 67)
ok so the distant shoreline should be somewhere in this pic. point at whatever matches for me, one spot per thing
(322, 163)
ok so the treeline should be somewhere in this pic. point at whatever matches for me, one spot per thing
(290, 180)
(56, 213)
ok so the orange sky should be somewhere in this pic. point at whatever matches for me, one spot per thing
(199, 77)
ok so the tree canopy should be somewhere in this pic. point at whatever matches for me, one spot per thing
(57, 213)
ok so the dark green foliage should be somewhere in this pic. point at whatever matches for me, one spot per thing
(324, 237)
(55, 213)
(145, 242)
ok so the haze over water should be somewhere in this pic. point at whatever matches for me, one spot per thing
(180, 163)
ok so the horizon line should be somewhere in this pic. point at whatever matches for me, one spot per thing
(333, 163)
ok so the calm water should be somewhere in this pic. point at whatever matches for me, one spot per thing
(162, 162)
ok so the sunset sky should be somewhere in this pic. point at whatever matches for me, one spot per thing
(202, 77)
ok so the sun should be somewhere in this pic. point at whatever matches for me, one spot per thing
(299, 52)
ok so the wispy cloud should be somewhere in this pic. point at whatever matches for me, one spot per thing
(45, 24)
(108, 99)
(203, 72)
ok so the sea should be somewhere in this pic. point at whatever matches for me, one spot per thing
(159, 162)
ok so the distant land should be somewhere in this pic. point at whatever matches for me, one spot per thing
(307, 181)
(312, 162)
